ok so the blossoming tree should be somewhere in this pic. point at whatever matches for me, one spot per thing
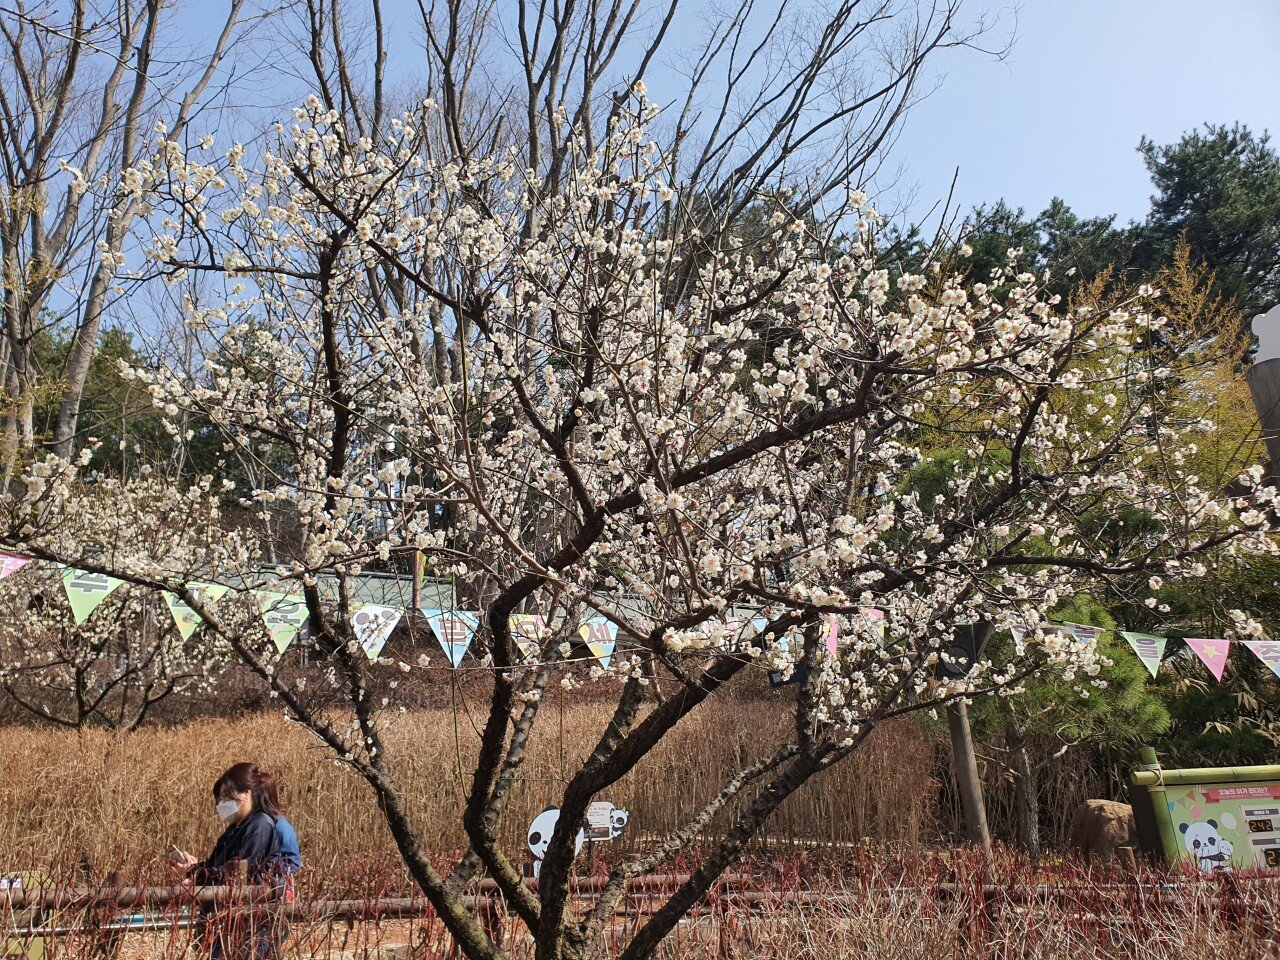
(113, 668)
(725, 466)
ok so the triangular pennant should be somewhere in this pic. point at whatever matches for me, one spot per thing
(284, 614)
(1212, 653)
(372, 625)
(1082, 631)
(874, 618)
(11, 563)
(1148, 647)
(600, 634)
(454, 629)
(730, 633)
(526, 631)
(1268, 651)
(186, 618)
(778, 678)
(86, 591)
(1076, 631)
(831, 635)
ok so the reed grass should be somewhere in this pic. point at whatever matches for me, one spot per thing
(103, 801)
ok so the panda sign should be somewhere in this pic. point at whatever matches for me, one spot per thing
(604, 822)
(539, 836)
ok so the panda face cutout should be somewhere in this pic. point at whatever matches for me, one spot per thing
(544, 824)
(539, 836)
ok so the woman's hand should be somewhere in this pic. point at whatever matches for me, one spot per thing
(181, 862)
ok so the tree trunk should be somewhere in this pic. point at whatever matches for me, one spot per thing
(1027, 789)
(965, 764)
(83, 347)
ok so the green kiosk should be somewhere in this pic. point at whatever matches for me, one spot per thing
(1216, 818)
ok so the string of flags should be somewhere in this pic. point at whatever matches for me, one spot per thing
(285, 616)
(1213, 652)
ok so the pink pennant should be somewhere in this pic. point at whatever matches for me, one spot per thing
(11, 563)
(1268, 651)
(831, 634)
(1212, 653)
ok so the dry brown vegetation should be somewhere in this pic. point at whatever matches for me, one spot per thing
(106, 799)
(955, 905)
(114, 800)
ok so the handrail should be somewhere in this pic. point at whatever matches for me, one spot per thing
(65, 897)
(153, 896)
(353, 911)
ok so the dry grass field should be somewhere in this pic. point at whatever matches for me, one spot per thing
(87, 805)
(118, 800)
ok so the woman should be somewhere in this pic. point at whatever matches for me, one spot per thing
(245, 805)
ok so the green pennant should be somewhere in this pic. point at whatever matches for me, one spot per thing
(284, 614)
(184, 617)
(1149, 648)
(86, 591)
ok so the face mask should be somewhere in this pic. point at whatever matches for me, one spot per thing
(227, 809)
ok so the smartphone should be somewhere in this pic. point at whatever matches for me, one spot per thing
(176, 855)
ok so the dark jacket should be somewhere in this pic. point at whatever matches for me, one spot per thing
(253, 840)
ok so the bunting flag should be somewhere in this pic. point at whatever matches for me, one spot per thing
(729, 637)
(11, 563)
(526, 630)
(1148, 647)
(600, 634)
(1268, 651)
(184, 617)
(1082, 631)
(776, 678)
(284, 614)
(453, 629)
(86, 591)
(831, 635)
(1020, 630)
(1212, 653)
(876, 620)
(372, 625)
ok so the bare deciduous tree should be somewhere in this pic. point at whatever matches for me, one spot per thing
(82, 86)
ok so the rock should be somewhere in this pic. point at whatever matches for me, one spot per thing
(1101, 827)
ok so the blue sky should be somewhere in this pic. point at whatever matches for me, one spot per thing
(1084, 81)
(1061, 115)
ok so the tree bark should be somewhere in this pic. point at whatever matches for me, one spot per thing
(1027, 789)
(966, 767)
